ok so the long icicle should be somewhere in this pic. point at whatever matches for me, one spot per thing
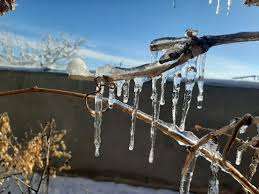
(214, 182)
(137, 89)
(125, 89)
(187, 177)
(155, 116)
(190, 81)
(200, 72)
(229, 6)
(98, 119)
(175, 96)
(218, 7)
(163, 82)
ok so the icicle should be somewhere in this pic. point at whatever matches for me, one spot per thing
(210, 2)
(137, 89)
(243, 129)
(200, 73)
(98, 119)
(155, 116)
(174, 3)
(190, 81)
(163, 82)
(111, 97)
(119, 85)
(154, 56)
(240, 151)
(229, 6)
(125, 88)
(239, 157)
(214, 182)
(175, 96)
(187, 178)
(218, 7)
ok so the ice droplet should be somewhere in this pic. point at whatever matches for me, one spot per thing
(190, 81)
(137, 90)
(125, 88)
(210, 2)
(175, 96)
(155, 116)
(187, 178)
(98, 119)
(119, 85)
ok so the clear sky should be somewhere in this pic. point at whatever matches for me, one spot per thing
(121, 30)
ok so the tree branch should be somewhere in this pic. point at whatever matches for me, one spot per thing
(187, 138)
(178, 51)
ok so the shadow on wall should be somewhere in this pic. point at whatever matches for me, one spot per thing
(223, 100)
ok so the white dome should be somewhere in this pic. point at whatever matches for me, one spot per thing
(77, 67)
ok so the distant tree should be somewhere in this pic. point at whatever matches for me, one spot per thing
(49, 52)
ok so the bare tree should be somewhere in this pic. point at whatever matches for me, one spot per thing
(49, 52)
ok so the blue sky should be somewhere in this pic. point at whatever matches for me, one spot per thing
(121, 30)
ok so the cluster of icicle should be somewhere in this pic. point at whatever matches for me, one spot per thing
(189, 73)
(213, 187)
(229, 4)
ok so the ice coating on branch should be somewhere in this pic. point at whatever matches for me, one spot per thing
(111, 97)
(243, 129)
(137, 89)
(190, 81)
(119, 85)
(125, 89)
(229, 6)
(214, 182)
(98, 119)
(210, 2)
(200, 73)
(155, 117)
(187, 178)
(218, 7)
(175, 96)
(163, 82)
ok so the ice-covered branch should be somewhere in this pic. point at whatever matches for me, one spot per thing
(177, 51)
(185, 138)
